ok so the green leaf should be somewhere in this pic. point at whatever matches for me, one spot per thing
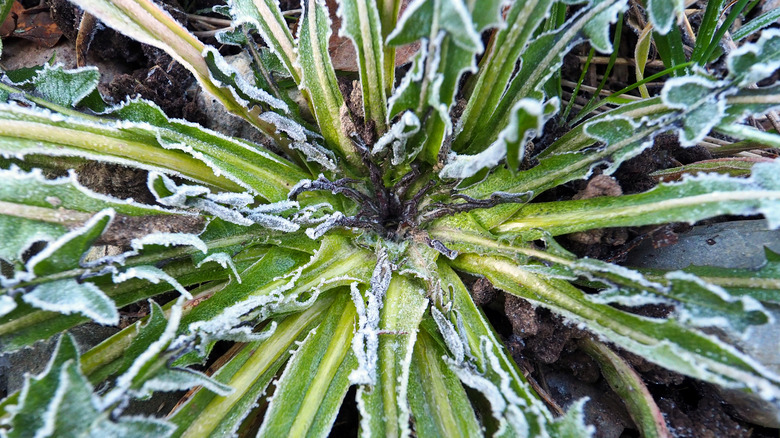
(26, 131)
(700, 103)
(664, 13)
(695, 302)
(514, 404)
(706, 305)
(59, 402)
(146, 336)
(630, 387)
(383, 404)
(65, 87)
(408, 95)
(527, 119)
(523, 18)
(597, 28)
(151, 141)
(541, 59)
(360, 22)
(59, 194)
(35, 410)
(664, 342)
(693, 199)
(249, 372)
(266, 17)
(766, 19)
(25, 325)
(280, 283)
(69, 296)
(762, 284)
(66, 252)
(452, 17)
(439, 404)
(161, 377)
(246, 163)
(450, 33)
(313, 385)
(752, 62)
(319, 79)
(145, 21)
(17, 234)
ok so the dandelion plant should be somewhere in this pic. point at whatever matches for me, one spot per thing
(340, 253)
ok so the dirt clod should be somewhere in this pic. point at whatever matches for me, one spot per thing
(708, 420)
(600, 185)
(115, 180)
(124, 229)
(522, 316)
(482, 292)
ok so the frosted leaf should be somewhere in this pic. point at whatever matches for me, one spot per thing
(60, 402)
(66, 252)
(618, 134)
(495, 384)
(611, 129)
(365, 342)
(161, 239)
(701, 102)
(451, 16)
(395, 137)
(18, 234)
(598, 270)
(752, 62)
(153, 275)
(192, 196)
(312, 214)
(222, 212)
(179, 379)
(275, 207)
(292, 129)
(273, 222)
(450, 335)
(766, 176)
(177, 194)
(7, 304)
(132, 427)
(464, 166)
(230, 322)
(527, 119)
(331, 221)
(708, 305)
(228, 76)
(124, 383)
(66, 87)
(407, 93)
(302, 184)
(597, 28)
(230, 207)
(573, 422)
(316, 154)
(69, 296)
(224, 260)
(628, 298)
(664, 13)
(491, 392)
(170, 239)
(232, 199)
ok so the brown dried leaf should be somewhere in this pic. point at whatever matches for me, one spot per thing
(34, 24)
